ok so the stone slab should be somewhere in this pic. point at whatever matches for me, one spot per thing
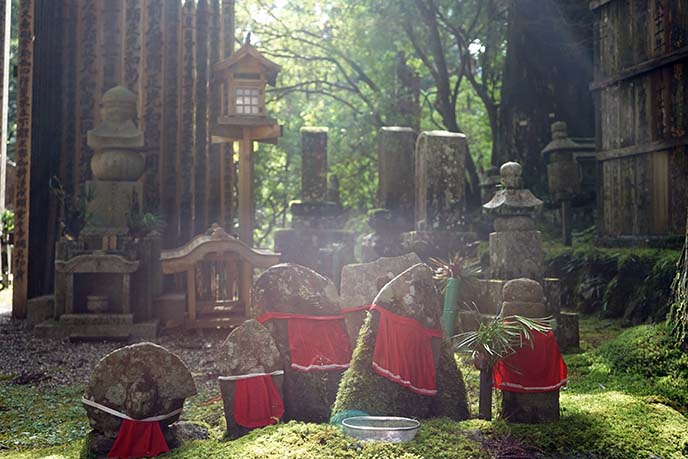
(536, 408)
(361, 282)
(40, 309)
(568, 331)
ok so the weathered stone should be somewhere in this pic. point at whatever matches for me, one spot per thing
(39, 309)
(248, 349)
(568, 334)
(516, 254)
(361, 283)
(523, 289)
(411, 294)
(524, 308)
(440, 182)
(314, 164)
(141, 380)
(386, 240)
(552, 289)
(396, 146)
(439, 244)
(296, 289)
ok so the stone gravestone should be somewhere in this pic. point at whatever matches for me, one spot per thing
(294, 289)
(361, 283)
(440, 196)
(249, 349)
(525, 297)
(396, 167)
(412, 294)
(316, 238)
(142, 380)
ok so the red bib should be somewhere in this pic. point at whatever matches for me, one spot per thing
(139, 439)
(316, 343)
(257, 402)
(539, 368)
(403, 352)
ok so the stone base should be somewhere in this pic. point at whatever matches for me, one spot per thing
(111, 206)
(515, 254)
(530, 408)
(568, 335)
(439, 244)
(40, 309)
(118, 327)
(323, 250)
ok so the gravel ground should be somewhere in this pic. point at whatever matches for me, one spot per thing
(50, 363)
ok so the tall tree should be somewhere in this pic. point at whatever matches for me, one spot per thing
(546, 78)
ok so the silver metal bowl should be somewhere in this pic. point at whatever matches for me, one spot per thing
(381, 428)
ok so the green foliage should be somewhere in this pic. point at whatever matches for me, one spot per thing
(500, 337)
(7, 220)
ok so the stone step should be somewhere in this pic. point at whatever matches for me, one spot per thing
(97, 319)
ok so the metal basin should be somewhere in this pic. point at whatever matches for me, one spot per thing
(381, 428)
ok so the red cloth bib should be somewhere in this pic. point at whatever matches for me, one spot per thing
(539, 368)
(403, 352)
(257, 403)
(139, 439)
(316, 343)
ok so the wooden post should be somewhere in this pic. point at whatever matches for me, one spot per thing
(22, 196)
(485, 398)
(191, 292)
(566, 222)
(246, 188)
(5, 26)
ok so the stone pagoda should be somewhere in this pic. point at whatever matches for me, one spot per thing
(107, 275)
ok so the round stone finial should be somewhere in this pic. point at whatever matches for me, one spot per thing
(511, 174)
(119, 105)
(559, 130)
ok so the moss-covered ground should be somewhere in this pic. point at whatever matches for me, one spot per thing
(627, 398)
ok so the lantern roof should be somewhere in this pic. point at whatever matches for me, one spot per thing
(249, 53)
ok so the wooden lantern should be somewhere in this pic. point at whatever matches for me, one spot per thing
(243, 78)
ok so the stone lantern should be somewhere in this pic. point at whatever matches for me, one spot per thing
(516, 245)
(562, 173)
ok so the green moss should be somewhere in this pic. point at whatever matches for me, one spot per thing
(361, 388)
(633, 283)
(28, 416)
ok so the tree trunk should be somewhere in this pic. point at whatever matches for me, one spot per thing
(546, 78)
(678, 317)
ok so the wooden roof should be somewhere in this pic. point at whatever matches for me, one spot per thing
(248, 51)
(216, 240)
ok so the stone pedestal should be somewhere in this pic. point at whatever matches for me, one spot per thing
(530, 408)
(386, 239)
(111, 206)
(396, 168)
